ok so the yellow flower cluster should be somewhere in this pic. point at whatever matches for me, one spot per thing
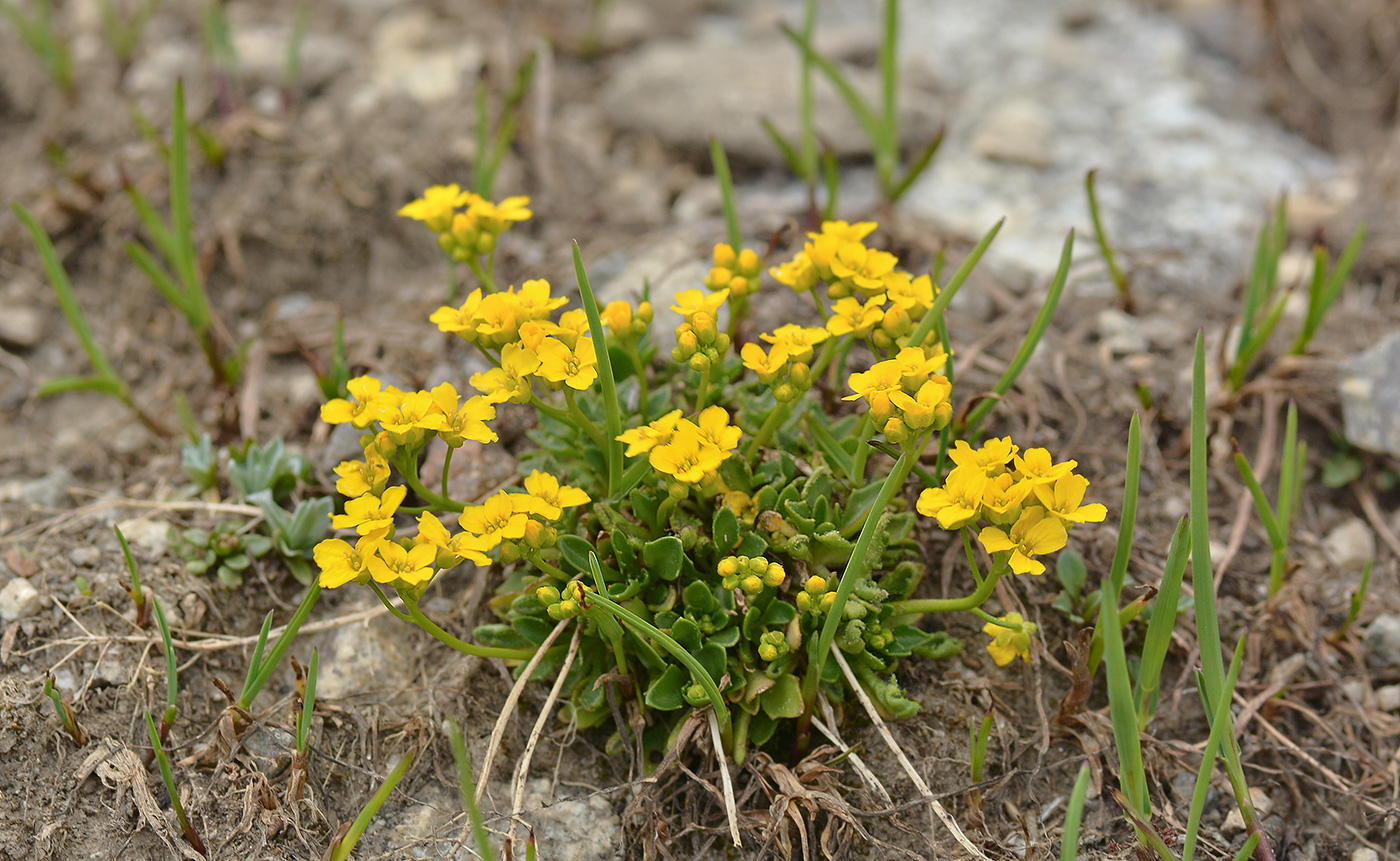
(750, 574)
(906, 395)
(817, 595)
(625, 324)
(1028, 503)
(405, 419)
(872, 298)
(471, 232)
(699, 342)
(735, 272)
(1008, 643)
(786, 366)
(518, 523)
(688, 451)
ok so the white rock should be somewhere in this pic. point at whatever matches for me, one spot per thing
(408, 62)
(21, 327)
(19, 599)
(1388, 698)
(575, 830)
(1350, 545)
(1262, 805)
(360, 657)
(1370, 392)
(151, 536)
(1018, 131)
(1175, 171)
(1365, 853)
(262, 55)
(85, 556)
(1383, 639)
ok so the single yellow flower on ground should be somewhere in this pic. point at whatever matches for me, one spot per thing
(339, 562)
(1008, 643)
(1033, 534)
(1064, 498)
(958, 502)
(577, 368)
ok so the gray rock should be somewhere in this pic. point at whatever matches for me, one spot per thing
(1365, 853)
(85, 556)
(408, 62)
(51, 491)
(361, 657)
(150, 536)
(21, 327)
(1031, 111)
(1351, 545)
(1383, 639)
(1370, 393)
(19, 599)
(1388, 698)
(722, 83)
(262, 55)
(575, 830)
(1121, 332)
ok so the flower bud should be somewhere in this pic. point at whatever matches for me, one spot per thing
(700, 362)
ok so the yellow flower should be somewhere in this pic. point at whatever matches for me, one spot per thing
(573, 325)
(1001, 496)
(533, 300)
(1008, 643)
(358, 477)
(641, 440)
(577, 367)
(850, 316)
(436, 206)
(371, 516)
(688, 457)
(768, 366)
(391, 563)
(958, 502)
(844, 232)
(917, 365)
(431, 531)
(416, 410)
(362, 412)
(914, 295)
(798, 340)
(618, 318)
(691, 302)
(991, 458)
(1037, 468)
(339, 562)
(460, 321)
(1064, 499)
(494, 520)
(864, 269)
(714, 426)
(798, 273)
(498, 217)
(464, 422)
(511, 381)
(555, 496)
(929, 408)
(497, 319)
(877, 386)
(1032, 535)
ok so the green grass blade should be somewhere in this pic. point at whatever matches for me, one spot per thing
(1074, 813)
(794, 161)
(67, 300)
(256, 681)
(308, 702)
(1247, 850)
(151, 220)
(163, 281)
(807, 135)
(1120, 693)
(1322, 294)
(172, 673)
(1158, 639)
(867, 119)
(135, 572)
(1289, 472)
(1202, 576)
(917, 167)
(1109, 258)
(611, 411)
(1221, 729)
(59, 385)
(945, 295)
(181, 225)
(1037, 331)
(342, 849)
(466, 784)
(726, 190)
(1261, 502)
(831, 181)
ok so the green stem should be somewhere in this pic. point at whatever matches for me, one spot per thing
(703, 390)
(775, 420)
(581, 421)
(863, 436)
(446, 470)
(856, 569)
(398, 614)
(817, 301)
(259, 674)
(486, 281)
(988, 617)
(643, 392)
(408, 468)
(422, 621)
(950, 605)
(547, 567)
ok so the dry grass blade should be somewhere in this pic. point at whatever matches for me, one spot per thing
(937, 808)
(730, 808)
(866, 775)
(499, 730)
(522, 769)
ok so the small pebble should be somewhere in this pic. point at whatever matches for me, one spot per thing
(1365, 853)
(1388, 698)
(1383, 639)
(1263, 804)
(21, 328)
(19, 599)
(85, 556)
(1351, 545)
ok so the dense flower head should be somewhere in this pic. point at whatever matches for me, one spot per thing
(498, 518)
(798, 341)
(736, 272)
(359, 477)
(1008, 643)
(688, 451)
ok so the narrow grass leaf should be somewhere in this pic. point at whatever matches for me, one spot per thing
(257, 681)
(612, 414)
(308, 701)
(1109, 258)
(1202, 576)
(1221, 729)
(786, 149)
(346, 845)
(467, 785)
(1261, 502)
(917, 167)
(868, 121)
(172, 673)
(1074, 813)
(726, 191)
(1032, 339)
(934, 315)
(1158, 639)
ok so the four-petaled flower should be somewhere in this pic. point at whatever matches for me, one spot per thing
(1033, 534)
(1008, 643)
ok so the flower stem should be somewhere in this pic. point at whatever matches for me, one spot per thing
(643, 393)
(399, 614)
(775, 420)
(581, 421)
(409, 470)
(703, 390)
(486, 281)
(446, 470)
(949, 605)
(416, 616)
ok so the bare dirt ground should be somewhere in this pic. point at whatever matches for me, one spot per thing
(297, 227)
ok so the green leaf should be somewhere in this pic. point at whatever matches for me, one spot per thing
(725, 529)
(784, 699)
(664, 693)
(699, 598)
(663, 557)
(575, 551)
(1341, 469)
(60, 385)
(1069, 568)
(502, 636)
